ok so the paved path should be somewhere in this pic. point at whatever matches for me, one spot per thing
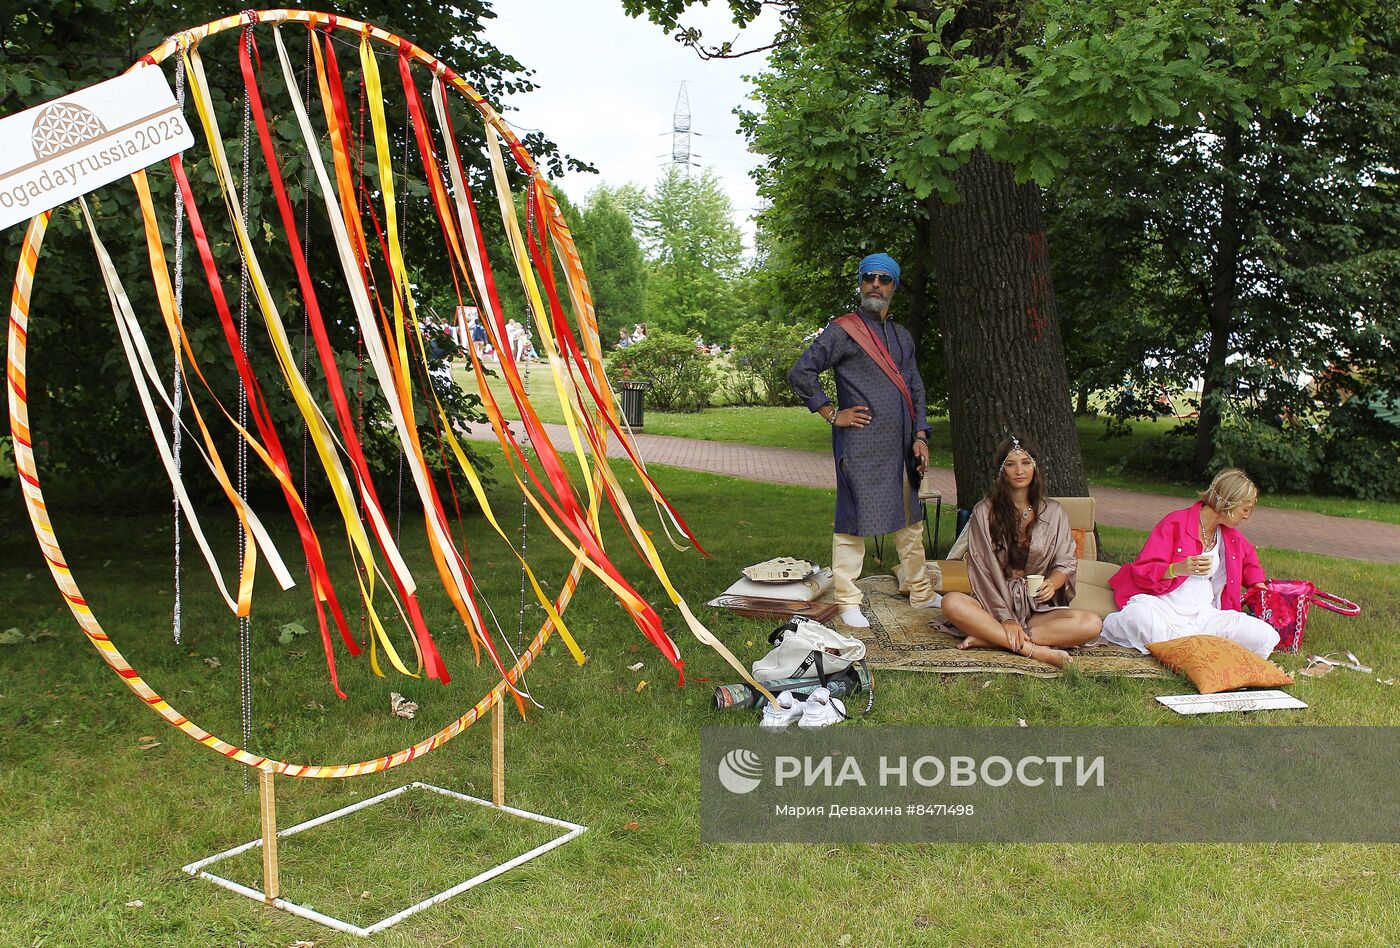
(1270, 526)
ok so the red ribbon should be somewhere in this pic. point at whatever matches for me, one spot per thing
(432, 660)
(258, 407)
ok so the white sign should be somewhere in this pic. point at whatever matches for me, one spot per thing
(56, 151)
(1231, 701)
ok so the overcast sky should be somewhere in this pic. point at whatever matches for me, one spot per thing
(608, 86)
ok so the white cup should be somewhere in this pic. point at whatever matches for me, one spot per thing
(1033, 583)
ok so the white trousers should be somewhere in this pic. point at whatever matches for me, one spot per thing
(1141, 621)
(848, 557)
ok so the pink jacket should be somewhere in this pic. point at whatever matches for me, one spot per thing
(1177, 536)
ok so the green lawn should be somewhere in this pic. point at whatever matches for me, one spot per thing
(797, 428)
(92, 821)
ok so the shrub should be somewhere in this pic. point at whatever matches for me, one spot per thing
(765, 352)
(1286, 459)
(1358, 450)
(680, 377)
(737, 386)
(1350, 454)
(7, 462)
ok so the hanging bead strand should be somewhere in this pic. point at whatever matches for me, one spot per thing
(306, 304)
(245, 625)
(176, 619)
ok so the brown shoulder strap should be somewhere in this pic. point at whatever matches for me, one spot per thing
(855, 327)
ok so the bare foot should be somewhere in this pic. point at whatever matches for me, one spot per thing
(1050, 656)
(973, 641)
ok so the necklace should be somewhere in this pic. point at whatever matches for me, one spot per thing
(1025, 514)
(1207, 537)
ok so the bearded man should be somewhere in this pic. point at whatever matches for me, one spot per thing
(879, 436)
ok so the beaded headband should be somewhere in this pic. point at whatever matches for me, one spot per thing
(1016, 446)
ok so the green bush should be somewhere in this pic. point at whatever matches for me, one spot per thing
(1277, 459)
(764, 352)
(1351, 452)
(735, 386)
(681, 378)
(7, 461)
(1359, 450)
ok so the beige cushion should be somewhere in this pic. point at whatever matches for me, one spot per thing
(954, 576)
(1094, 573)
(1095, 599)
(1081, 517)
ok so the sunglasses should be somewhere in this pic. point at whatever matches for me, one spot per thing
(884, 279)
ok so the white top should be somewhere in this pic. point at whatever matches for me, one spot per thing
(1199, 592)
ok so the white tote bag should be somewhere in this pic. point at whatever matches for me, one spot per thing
(803, 648)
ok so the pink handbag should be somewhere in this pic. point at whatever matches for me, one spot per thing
(1284, 604)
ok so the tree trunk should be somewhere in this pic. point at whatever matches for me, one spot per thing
(1224, 285)
(1001, 334)
(1081, 407)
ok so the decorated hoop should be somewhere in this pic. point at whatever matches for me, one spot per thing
(29, 474)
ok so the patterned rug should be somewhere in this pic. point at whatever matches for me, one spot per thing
(902, 639)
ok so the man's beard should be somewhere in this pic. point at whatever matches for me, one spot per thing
(872, 305)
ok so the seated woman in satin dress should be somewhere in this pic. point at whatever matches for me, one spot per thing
(1191, 573)
(1016, 532)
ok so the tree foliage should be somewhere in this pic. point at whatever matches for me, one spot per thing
(1305, 291)
(872, 114)
(694, 252)
(612, 258)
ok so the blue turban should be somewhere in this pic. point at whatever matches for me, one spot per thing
(880, 263)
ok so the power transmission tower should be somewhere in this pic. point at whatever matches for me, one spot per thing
(680, 134)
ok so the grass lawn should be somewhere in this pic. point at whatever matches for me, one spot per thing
(93, 821)
(797, 428)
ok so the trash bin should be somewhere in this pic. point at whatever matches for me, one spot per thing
(633, 402)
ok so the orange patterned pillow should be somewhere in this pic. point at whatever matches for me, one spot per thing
(1078, 534)
(1214, 664)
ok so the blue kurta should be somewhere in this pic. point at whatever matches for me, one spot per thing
(873, 493)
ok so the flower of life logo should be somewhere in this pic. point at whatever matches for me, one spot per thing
(62, 126)
(740, 770)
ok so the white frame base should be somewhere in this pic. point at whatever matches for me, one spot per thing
(197, 868)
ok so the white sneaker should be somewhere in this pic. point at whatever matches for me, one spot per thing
(854, 618)
(822, 709)
(780, 715)
(933, 602)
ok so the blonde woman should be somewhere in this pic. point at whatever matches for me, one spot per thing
(1190, 576)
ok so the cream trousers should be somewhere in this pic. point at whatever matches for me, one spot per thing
(848, 556)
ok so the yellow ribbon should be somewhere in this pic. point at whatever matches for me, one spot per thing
(320, 433)
(399, 275)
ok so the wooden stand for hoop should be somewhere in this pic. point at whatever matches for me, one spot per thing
(268, 811)
(271, 890)
(498, 754)
(267, 802)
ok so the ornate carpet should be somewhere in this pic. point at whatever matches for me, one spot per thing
(901, 638)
